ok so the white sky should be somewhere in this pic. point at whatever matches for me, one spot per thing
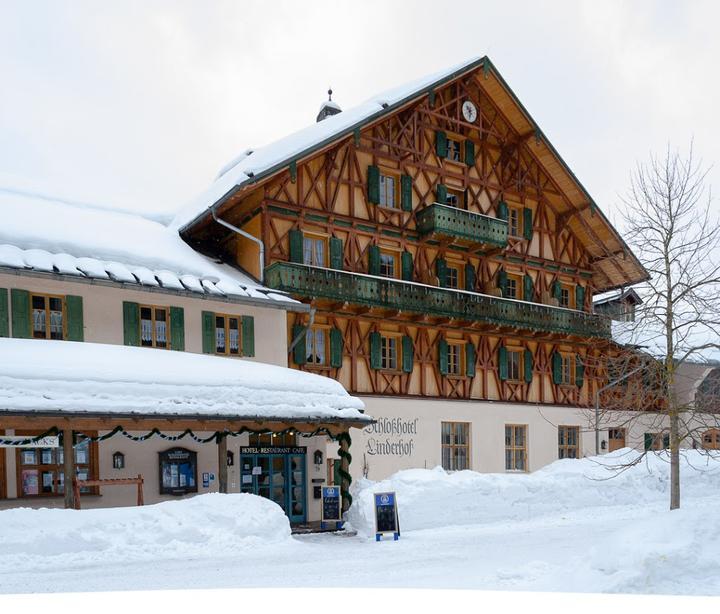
(138, 104)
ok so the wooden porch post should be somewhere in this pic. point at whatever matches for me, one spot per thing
(345, 479)
(222, 463)
(68, 468)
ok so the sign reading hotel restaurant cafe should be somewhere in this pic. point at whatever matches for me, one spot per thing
(331, 510)
(386, 516)
(17, 441)
(273, 450)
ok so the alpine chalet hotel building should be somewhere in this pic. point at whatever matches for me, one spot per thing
(449, 258)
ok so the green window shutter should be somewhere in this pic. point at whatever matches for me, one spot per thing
(406, 192)
(20, 302)
(502, 281)
(177, 329)
(469, 360)
(556, 290)
(470, 277)
(4, 313)
(502, 210)
(299, 352)
(336, 253)
(648, 441)
(374, 260)
(131, 323)
(443, 356)
(666, 441)
(528, 366)
(441, 271)
(208, 332)
(579, 371)
(441, 144)
(469, 153)
(502, 363)
(408, 354)
(248, 336)
(406, 260)
(441, 194)
(527, 223)
(373, 184)
(557, 368)
(336, 348)
(375, 362)
(296, 246)
(579, 298)
(528, 288)
(74, 316)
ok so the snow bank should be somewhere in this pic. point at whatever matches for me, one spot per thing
(204, 525)
(433, 498)
(45, 375)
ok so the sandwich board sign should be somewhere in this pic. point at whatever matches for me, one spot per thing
(331, 507)
(386, 515)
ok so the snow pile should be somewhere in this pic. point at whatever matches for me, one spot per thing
(75, 239)
(37, 375)
(433, 498)
(205, 525)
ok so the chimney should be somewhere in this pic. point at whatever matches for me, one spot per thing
(328, 108)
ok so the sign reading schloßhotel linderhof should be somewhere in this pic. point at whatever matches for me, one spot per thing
(391, 437)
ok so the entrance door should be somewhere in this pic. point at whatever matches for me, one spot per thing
(616, 439)
(279, 477)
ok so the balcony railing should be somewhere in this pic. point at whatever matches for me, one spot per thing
(461, 226)
(369, 290)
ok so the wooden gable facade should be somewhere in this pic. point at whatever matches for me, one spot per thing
(443, 253)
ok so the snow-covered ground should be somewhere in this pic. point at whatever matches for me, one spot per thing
(564, 528)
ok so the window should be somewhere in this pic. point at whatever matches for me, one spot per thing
(657, 441)
(178, 471)
(567, 369)
(514, 365)
(454, 276)
(288, 439)
(388, 191)
(514, 222)
(616, 439)
(388, 352)
(455, 198)
(455, 445)
(47, 316)
(154, 326)
(315, 346)
(455, 354)
(227, 335)
(567, 298)
(314, 250)
(711, 439)
(388, 264)
(515, 447)
(453, 150)
(41, 473)
(513, 287)
(568, 442)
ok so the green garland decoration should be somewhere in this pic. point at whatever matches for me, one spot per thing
(346, 477)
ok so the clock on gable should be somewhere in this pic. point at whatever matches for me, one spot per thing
(469, 111)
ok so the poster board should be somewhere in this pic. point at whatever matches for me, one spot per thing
(386, 515)
(331, 506)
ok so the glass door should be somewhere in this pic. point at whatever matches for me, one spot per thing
(296, 494)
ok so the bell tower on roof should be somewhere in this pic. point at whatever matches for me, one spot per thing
(328, 108)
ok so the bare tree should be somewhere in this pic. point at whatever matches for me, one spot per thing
(669, 223)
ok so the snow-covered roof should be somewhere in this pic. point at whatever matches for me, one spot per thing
(616, 295)
(41, 234)
(263, 159)
(72, 377)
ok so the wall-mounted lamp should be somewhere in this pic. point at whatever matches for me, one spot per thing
(118, 460)
(603, 445)
(230, 458)
(318, 458)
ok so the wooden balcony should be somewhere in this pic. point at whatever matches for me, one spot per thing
(457, 226)
(421, 301)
